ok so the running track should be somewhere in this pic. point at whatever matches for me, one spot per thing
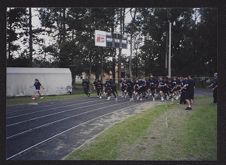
(51, 130)
(34, 131)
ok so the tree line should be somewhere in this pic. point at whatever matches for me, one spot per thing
(194, 40)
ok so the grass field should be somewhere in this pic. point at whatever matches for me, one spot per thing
(165, 132)
(11, 101)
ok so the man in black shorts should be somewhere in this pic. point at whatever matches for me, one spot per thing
(129, 89)
(135, 89)
(183, 90)
(85, 84)
(189, 93)
(141, 89)
(161, 88)
(98, 86)
(114, 90)
(37, 85)
(152, 85)
(214, 86)
(192, 86)
(174, 91)
(124, 88)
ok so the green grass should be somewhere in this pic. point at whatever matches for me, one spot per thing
(200, 132)
(11, 101)
(194, 137)
(106, 146)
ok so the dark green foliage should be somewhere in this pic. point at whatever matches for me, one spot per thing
(16, 19)
(194, 39)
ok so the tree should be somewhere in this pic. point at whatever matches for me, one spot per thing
(16, 19)
(30, 37)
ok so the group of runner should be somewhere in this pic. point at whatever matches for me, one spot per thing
(162, 88)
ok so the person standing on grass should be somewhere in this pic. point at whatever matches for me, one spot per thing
(192, 88)
(85, 84)
(214, 86)
(189, 87)
(183, 90)
(38, 86)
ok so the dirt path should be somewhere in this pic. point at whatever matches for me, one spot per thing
(161, 139)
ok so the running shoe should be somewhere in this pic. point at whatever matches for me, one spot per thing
(188, 108)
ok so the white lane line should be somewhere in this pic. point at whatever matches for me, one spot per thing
(49, 109)
(50, 138)
(56, 121)
(35, 118)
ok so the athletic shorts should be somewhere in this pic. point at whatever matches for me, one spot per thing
(37, 91)
(188, 95)
(163, 89)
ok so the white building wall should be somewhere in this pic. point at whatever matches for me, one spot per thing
(54, 80)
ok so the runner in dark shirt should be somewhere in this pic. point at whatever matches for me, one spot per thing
(129, 89)
(153, 85)
(38, 86)
(98, 86)
(161, 88)
(141, 89)
(123, 88)
(85, 84)
(174, 89)
(113, 87)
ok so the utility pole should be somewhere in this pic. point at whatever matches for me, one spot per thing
(169, 67)
(167, 48)
(121, 15)
(131, 41)
(102, 66)
(130, 57)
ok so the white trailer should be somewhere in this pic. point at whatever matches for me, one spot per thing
(20, 81)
